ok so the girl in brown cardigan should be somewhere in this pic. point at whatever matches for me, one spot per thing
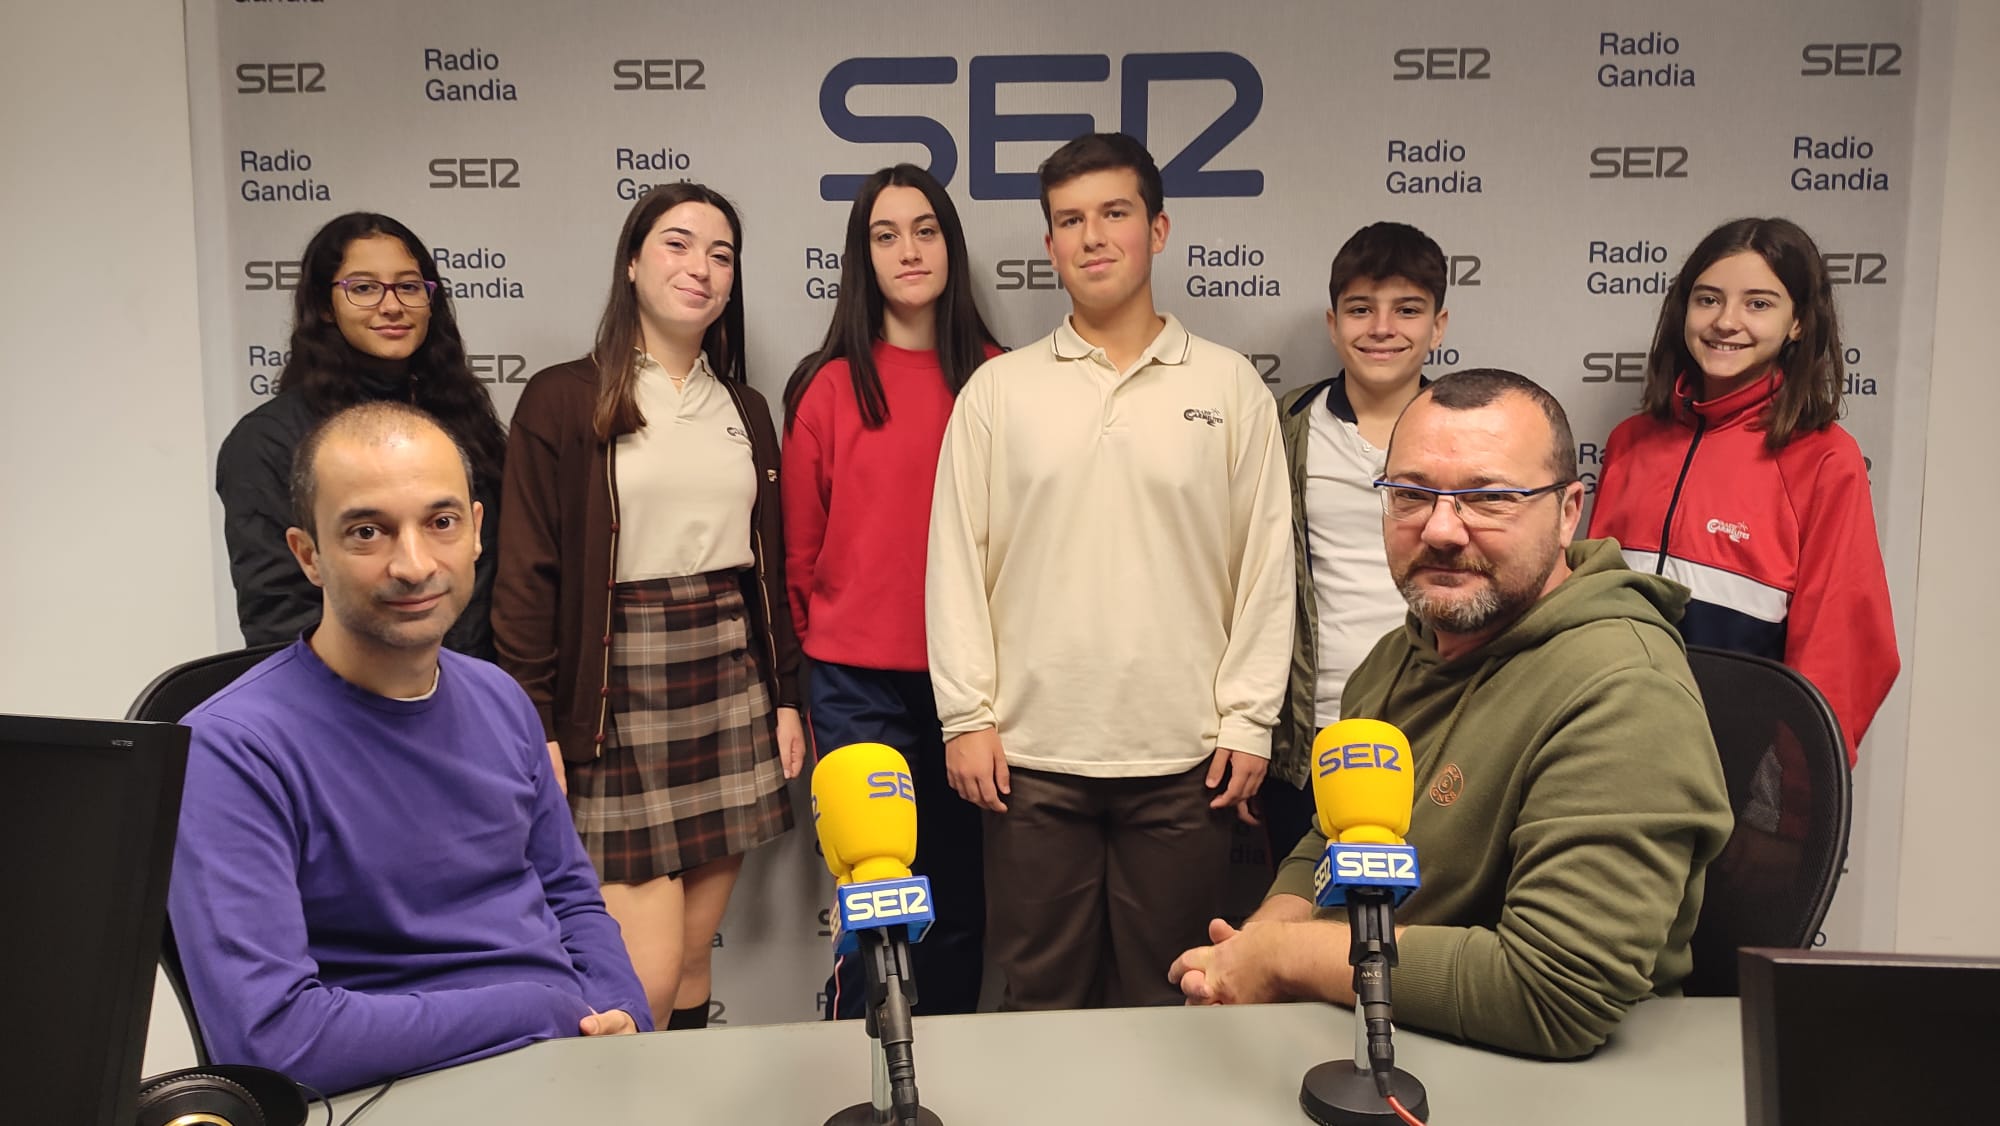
(640, 599)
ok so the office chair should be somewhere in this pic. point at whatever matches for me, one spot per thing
(1785, 762)
(171, 696)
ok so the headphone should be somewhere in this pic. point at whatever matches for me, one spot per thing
(224, 1095)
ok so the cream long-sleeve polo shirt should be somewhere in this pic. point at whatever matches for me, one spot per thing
(1110, 574)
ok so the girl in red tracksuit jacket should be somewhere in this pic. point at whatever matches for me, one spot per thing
(1736, 481)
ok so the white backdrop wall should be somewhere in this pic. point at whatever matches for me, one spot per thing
(1567, 166)
(102, 383)
(1942, 904)
(104, 461)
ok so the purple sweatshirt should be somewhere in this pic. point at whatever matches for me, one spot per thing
(366, 887)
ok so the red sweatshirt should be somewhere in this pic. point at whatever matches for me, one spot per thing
(1779, 549)
(858, 512)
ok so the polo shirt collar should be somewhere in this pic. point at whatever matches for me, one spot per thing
(648, 364)
(1171, 346)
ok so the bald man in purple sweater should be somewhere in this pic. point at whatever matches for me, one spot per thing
(376, 873)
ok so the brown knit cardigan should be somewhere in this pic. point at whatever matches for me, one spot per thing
(558, 552)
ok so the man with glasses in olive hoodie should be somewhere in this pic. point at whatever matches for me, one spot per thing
(1570, 796)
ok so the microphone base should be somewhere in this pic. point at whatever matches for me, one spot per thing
(1339, 1094)
(863, 1114)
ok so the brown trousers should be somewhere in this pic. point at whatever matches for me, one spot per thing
(1095, 885)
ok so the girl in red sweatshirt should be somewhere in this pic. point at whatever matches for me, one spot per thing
(864, 417)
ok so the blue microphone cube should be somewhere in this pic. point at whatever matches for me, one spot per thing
(1346, 866)
(878, 904)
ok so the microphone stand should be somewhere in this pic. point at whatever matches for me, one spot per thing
(892, 989)
(1355, 1092)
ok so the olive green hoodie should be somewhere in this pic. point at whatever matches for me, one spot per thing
(1569, 799)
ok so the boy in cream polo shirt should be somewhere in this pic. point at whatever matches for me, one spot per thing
(1108, 606)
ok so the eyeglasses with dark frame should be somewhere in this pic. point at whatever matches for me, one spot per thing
(366, 293)
(1485, 507)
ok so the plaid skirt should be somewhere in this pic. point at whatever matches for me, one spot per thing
(690, 769)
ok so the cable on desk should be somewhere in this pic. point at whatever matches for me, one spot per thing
(315, 1093)
(356, 1112)
(1401, 1112)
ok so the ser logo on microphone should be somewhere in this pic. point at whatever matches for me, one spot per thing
(891, 784)
(904, 903)
(881, 903)
(1345, 866)
(1352, 756)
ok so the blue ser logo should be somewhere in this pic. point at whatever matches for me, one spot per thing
(1185, 174)
(890, 784)
(1344, 867)
(1353, 756)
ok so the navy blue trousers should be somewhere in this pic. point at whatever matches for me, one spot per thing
(846, 704)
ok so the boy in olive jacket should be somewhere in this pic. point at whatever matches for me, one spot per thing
(1570, 798)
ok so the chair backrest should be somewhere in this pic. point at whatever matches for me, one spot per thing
(1785, 763)
(171, 696)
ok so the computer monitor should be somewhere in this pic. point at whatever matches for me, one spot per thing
(88, 810)
(1832, 1038)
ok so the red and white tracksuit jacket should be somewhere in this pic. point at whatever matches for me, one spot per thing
(1779, 549)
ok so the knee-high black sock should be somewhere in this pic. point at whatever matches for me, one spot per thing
(694, 1016)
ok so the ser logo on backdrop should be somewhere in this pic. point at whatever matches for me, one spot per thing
(281, 78)
(1639, 162)
(1851, 60)
(464, 172)
(1185, 173)
(1267, 365)
(658, 74)
(498, 367)
(1857, 267)
(1442, 64)
(1025, 273)
(262, 274)
(1614, 367)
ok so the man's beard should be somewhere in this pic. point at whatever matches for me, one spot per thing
(1459, 611)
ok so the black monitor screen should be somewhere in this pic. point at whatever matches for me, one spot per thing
(88, 811)
(1832, 1038)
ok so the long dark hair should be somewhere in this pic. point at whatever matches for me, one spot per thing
(1809, 398)
(618, 331)
(332, 374)
(962, 335)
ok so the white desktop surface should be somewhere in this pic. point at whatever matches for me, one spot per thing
(1671, 1061)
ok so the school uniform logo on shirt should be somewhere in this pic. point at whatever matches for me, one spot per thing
(1737, 533)
(1448, 784)
(1197, 414)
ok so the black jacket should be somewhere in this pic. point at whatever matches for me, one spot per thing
(274, 599)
